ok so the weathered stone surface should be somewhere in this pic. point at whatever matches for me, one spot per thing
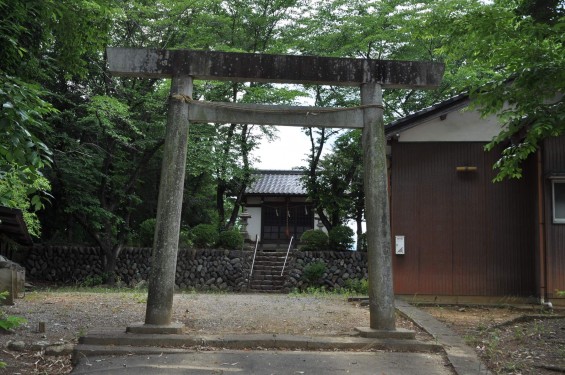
(251, 67)
(40, 345)
(59, 349)
(17, 346)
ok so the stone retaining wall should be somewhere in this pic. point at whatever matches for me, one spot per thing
(201, 269)
(341, 267)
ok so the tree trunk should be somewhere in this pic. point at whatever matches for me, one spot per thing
(245, 149)
(359, 233)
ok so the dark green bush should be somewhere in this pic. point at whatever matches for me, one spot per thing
(205, 235)
(147, 232)
(314, 240)
(185, 238)
(231, 239)
(341, 238)
(92, 280)
(313, 272)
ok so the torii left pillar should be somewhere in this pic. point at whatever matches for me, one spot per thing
(159, 308)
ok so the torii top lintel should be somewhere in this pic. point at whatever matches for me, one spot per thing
(249, 67)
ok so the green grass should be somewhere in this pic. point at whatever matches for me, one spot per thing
(321, 291)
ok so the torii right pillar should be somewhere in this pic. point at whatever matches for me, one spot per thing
(381, 293)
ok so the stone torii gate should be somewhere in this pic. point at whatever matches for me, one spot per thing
(182, 66)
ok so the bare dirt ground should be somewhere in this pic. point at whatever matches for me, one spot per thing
(508, 348)
(510, 340)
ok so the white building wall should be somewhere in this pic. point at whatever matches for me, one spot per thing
(458, 126)
(254, 223)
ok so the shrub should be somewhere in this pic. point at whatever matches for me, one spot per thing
(147, 232)
(92, 280)
(231, 239)
(185, 238)
(314, 271)
(314, 240)
(205, 235)
(341, 238)
(357, 286)
(8, 322)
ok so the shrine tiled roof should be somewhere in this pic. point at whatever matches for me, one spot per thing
(274, 182)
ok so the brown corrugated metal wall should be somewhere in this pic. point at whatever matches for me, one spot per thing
(554, 162)
(464, 235)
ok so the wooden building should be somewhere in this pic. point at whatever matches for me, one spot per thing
(461, 237)
(13, 231)
(13, 234)
(279, 207)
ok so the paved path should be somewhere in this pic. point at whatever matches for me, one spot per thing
(463, 358)
(268, 362)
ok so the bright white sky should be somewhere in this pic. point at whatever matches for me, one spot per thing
(286, 152)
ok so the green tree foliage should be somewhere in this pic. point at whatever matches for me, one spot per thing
(245, 26)
(38, 40)
(22, 152)
(108, 132)
(370, 29)
(509, 55)
(146, 232)
(105, 133)
(337, 189)
(358, 29)
(341, 238)
(16, 194)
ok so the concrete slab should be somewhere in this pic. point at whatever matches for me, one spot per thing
(169, 329)
(267, 362)
(399, 333)
(463, 358)
(111, 339)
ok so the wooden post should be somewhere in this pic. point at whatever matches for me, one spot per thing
(381, 294)
(165, 244)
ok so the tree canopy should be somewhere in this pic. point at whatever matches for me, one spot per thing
(509, 55)
(87, 146)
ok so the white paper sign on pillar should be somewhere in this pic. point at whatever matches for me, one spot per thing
(399, 240)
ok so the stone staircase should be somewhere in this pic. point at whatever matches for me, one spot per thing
(266, 277)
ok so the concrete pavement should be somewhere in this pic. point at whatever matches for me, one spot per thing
(268, 362)
(461, 356)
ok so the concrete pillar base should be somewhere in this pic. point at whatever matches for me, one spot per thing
(169, 329)
(399, 333)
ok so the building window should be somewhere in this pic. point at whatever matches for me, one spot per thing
(559, 202)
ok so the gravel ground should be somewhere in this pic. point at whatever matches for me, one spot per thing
(68, 315)
(510, 340)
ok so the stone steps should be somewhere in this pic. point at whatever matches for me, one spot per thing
(267, 269)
